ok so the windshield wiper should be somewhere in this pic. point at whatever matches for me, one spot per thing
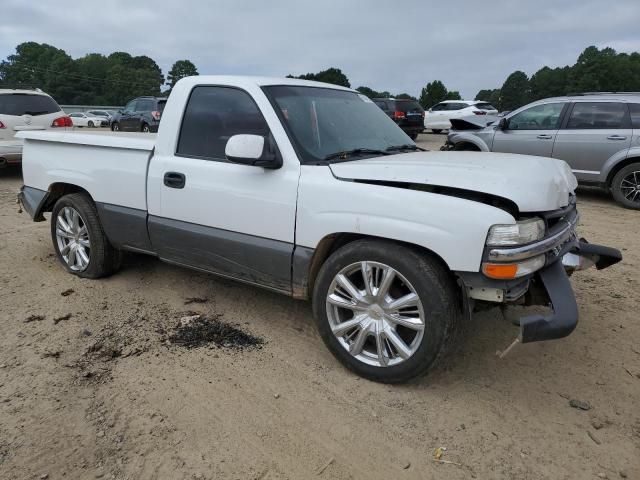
(409, 147)
(354, 153)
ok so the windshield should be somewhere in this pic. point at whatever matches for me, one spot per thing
(324, 122)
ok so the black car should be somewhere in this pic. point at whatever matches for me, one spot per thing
(141, 114)
(408, 114)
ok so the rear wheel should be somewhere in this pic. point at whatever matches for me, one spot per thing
(413, 136)
(115, 127)
(386, 311)
(625, 186)
(145, 128)
(80, 243)
(436, 130)
(90, 124)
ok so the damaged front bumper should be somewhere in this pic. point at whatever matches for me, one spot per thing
(549, 286)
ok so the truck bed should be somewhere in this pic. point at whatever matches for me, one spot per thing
(112, 167)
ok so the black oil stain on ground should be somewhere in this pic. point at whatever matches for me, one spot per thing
(203, 331)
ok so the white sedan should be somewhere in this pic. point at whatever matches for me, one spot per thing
(85, 120)
(438, 116)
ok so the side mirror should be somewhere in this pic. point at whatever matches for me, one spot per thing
(253, 150)
(503, 124)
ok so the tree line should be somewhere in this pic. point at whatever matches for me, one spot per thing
(93, 79)
(116, 78)
(595, 70)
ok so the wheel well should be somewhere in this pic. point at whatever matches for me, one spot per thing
(334, 241)
(57, 191)
(619, 166)
(466, 146)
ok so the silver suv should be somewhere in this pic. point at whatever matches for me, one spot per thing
(597, 134)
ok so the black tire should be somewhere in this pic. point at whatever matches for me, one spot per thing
(90, 124)
(115, 127)
(622, 183)
(413, 136)
(436, 130)
(434, 286)
(104, 259)
(145, 128)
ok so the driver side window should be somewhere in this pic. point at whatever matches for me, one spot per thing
(540, 117)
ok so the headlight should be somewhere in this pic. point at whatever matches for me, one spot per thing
(525, 231)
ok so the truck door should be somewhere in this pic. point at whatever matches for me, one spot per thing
(531, 131)
(594, 132)
(206, 212)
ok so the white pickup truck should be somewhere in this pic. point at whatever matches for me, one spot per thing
(311, 190)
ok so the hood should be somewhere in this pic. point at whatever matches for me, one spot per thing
(473, 122)
(534, 184)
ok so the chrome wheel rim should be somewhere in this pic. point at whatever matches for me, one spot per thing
(375, 314)
(630, 187)
(72, 237)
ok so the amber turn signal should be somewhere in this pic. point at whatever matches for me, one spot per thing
(500, 271)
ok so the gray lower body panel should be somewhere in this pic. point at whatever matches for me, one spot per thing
(125, 227)
(260, 261)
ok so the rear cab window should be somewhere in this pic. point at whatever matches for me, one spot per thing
(212, 116)
(18, 104)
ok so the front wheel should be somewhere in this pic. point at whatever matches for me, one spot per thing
(386, 311)
(90, 124)
(625, 186)
(80, 243)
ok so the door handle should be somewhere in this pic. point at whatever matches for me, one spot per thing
(174, 180)
(544, 136)
(616, 137)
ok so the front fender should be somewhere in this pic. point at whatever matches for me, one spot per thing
(456, 137)
(453, 228)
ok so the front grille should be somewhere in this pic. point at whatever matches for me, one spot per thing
(553, 217)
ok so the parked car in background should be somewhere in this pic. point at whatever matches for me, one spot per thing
(308, 189)
(141, 114)
(108, 114)
(438, 117)
(408, 114)
(85, 120)
(597, 134)
(24, 109)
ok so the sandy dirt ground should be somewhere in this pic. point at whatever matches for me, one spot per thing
(91, 388)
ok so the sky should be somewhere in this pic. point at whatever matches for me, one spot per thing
(397, 46)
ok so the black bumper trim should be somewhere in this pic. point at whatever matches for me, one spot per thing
(536, 328)
(32, 200)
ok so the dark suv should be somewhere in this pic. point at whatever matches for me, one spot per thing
(141, 114)
(408, 114)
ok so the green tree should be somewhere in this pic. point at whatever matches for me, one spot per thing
(515, 91)
(549, 82)
(180, 69)
(405, 96)
(453, 95)
(433, 93)
(330, 75)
